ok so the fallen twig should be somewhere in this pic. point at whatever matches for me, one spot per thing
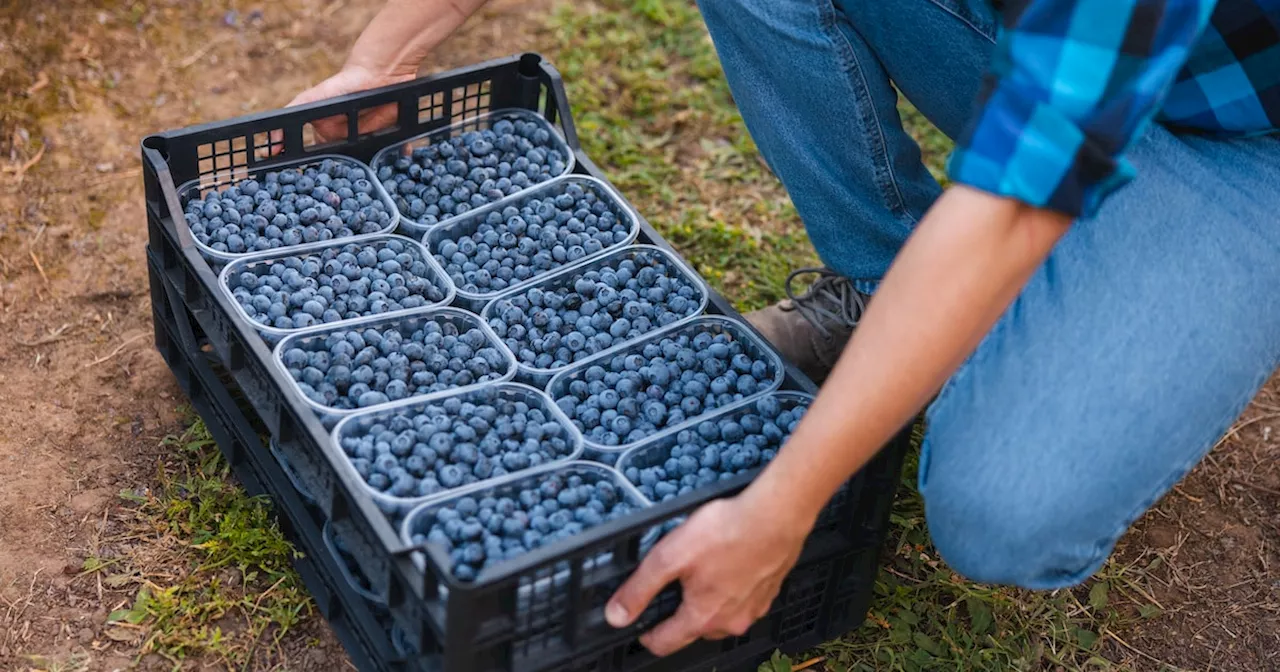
(808, 664)
(1241, 425)
(40, 268)
(20, 171)
(42, 80)
(1257, 487)
(115, 352)
(52, 337)
(201, 52)
(1138, 651)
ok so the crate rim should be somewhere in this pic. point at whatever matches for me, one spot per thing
(536, 59)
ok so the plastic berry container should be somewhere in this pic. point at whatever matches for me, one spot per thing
(562, 282)
(656, 450)
(201, 187)
(422, 518)
(260, 265)
(388, 155)
(463, 226)
(753, 347)
(406, 324)
(363, 421)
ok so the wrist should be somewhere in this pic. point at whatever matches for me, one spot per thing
(379, 74)
(781, 504)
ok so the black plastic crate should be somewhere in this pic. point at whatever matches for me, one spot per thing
(225, 368)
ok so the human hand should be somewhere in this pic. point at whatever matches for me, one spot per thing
(350, 79)
(730, 557)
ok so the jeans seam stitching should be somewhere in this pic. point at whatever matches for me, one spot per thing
(965, 20)
(890, 190)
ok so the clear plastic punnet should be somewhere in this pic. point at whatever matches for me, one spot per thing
(657, 449)
(406, 412)
(752, 346)
(534, 589)
(465, 225)
(390, 154)
(450, 319)
(201, 187)
(260, 265)
(562, 282)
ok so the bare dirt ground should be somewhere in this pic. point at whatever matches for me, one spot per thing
(85, 400)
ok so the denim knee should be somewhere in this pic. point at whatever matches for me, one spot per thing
(1011, 527)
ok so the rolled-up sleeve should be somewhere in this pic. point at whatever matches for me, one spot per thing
(1072, 85)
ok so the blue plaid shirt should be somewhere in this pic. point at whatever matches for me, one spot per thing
(1073, 83)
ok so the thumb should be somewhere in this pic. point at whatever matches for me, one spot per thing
(663, 565)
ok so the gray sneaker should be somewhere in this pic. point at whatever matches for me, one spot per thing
(811, 329)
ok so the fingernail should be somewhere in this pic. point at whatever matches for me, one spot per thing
(615, 614)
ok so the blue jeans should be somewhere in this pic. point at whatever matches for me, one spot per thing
(1134, 347)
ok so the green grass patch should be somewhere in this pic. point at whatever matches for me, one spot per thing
(213, 573)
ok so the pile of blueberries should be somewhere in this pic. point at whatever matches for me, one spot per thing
(366, 366)
(478, 533)
(329, 200)
(533, 238)
(337, 283)
(450, 177)
(589, 312)
(425, 450)
(717, 449)
(627, 397)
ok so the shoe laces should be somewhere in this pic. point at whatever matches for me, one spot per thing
(830, 299)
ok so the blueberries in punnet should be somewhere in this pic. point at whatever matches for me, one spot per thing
(365, 366)
(632, 395)
(422, 450)
(479, 532)
(716, 449)
(454, 175)
(337, 283)
(324, 201)
(588, 312)
(557, 226)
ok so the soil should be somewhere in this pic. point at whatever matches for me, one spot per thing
(86, 399)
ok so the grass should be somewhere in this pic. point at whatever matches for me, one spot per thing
(212, 571)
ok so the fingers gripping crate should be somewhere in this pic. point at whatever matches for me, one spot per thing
(224, 365)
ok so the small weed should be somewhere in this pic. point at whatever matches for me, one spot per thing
(215, 576)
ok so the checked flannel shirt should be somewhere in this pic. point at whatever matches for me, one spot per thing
(1073, 83)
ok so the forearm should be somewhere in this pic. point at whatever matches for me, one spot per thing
(968, 259)
(403, 33)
